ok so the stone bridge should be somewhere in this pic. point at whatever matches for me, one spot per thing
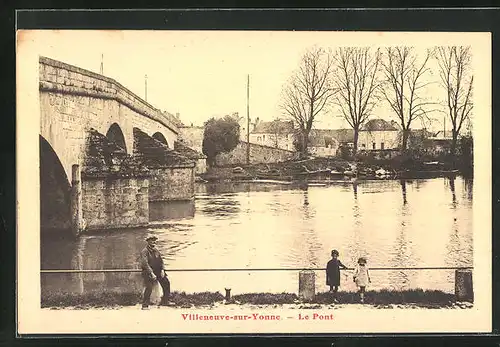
(105, 153)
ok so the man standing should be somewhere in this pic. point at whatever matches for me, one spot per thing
(153, 269)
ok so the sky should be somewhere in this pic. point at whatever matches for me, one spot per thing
(200, 74)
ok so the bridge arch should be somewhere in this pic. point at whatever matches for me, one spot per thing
(115, 135)
(159, 137)
(55, 190)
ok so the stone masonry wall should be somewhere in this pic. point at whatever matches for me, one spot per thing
(115, 203)
(258, 154)
(171, 184)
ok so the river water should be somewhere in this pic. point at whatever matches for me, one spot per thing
(408, 223)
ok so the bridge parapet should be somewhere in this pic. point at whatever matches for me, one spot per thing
(56, 76)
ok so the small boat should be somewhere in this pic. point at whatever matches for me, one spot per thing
(336, 173)
(271, 174)
(270, 181)
(238, 170)
(315, 172)
(313, 184)
(273, 177)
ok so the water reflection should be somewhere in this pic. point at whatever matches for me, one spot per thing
(225, 206)
(468, 188)
(393, 223)
(77, 264)
(451, 183)
(106, 250)
(167, 210)
(355, 189)
(402, 250)
(403, 191)
(239, 187)
(306, 200)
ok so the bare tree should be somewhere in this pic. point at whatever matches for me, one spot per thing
(308, 92)
(455, 72)
(277, 129)
(357, 84)
(404, 86)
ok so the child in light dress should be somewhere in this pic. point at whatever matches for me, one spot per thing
(362, 277)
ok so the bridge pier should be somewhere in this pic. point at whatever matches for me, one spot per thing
(172, 174)
(77, 222)
(113, 190)
(115, 187)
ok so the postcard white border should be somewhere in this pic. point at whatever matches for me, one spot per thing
(32, 319)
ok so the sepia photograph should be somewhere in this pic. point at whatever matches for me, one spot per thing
(253, 182)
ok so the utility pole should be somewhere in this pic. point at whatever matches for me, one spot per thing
(146, 87)
(248, 120)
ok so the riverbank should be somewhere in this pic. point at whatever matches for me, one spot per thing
(335, 169)
(377, 299)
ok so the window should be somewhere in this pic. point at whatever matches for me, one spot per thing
(373, 145)
(382, 145)
(264, 137)
(258, 138)
(363, 145)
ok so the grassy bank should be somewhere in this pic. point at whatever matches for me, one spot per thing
(416, 297)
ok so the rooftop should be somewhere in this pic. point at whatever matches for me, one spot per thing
(275, 126)
(378, 125)
(319, 137)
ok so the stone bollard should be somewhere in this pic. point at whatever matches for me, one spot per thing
(463, 285)
(307, 284)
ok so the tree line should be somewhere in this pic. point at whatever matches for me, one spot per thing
(351, 81)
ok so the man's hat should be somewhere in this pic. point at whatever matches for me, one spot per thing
(152, 238)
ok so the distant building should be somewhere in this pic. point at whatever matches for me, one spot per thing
(243, 122)
(192, 137)
(345, 137)
(378, 134)
(277, 134)
(327, 142)
(442, 135)
(440, 142)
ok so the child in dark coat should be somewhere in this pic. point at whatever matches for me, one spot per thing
(333, 272)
